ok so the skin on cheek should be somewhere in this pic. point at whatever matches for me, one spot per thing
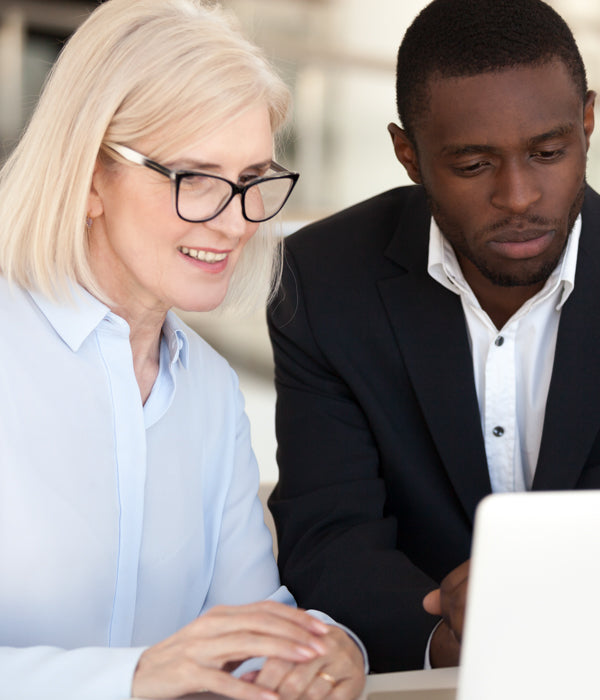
(138, 238)
(505, 205)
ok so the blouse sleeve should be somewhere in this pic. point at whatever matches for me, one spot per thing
(93, 673)
(245, 570)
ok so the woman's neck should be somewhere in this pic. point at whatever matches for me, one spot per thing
(144, 336)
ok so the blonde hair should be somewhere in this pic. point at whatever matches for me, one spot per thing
(135, 69)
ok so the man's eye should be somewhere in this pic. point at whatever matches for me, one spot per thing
(548, 155)
(472, 168)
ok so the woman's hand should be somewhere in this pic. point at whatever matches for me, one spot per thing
(200, 656)
(338, 674)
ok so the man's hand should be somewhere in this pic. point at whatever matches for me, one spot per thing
(448, 601)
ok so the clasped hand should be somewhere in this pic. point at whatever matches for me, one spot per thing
(448, 601)
(305, 657)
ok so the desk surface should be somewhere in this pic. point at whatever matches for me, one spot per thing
(411, 680)
(384, 682)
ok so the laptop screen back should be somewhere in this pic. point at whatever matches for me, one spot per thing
(532, 627)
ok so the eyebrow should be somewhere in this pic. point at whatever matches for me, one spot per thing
(559, 131)
(202, 165)
(466, 150)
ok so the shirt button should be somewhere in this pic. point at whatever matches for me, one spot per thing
(499, 341)
(498, 431)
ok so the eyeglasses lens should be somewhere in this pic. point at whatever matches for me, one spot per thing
(202, 197)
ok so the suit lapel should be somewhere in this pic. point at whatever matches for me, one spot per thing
(429, 325)
(573, 406)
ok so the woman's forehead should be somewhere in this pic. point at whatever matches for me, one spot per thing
(246, 137)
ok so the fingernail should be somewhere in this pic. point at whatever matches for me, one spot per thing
(319, 648)
(266, 695)
(319, 627)
(306, 652)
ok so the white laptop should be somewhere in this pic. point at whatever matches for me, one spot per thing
(532, 626)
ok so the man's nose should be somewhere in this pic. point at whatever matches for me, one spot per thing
(517, 187)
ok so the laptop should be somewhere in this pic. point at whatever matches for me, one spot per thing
(532, 627)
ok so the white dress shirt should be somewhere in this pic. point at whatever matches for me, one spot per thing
(119, 522)
(513, 365)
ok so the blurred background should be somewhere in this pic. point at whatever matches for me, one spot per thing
(338, 57)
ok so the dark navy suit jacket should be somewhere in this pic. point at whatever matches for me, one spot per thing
(380, 450)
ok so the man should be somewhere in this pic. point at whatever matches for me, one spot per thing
(442, 341)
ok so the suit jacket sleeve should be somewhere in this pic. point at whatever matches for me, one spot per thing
(337, 537)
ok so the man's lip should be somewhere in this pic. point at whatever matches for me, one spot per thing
(520, 245)
(516, 235)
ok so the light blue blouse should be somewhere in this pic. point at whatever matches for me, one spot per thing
(119, 522)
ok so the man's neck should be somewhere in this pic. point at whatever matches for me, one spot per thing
(499, 307)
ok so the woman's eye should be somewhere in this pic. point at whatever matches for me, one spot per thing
(197, 183)
(249, 177)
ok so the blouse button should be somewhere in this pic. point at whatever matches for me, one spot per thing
(499, 341)
(498, 431)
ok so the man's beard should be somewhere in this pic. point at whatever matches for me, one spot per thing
(497, 277)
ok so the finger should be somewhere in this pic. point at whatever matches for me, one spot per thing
(456, 578)
(243, 644)
(347, 666)
(444, 649)
(316, 680)
(259, 621)
(320, 687)
(316, 683)
(186, 678)
(432, 602)
(302, 680)
(346, 673)
(295, 616)
(250, 677)
(348, 688)
(273, 672)
(453, 597)
(231, 687)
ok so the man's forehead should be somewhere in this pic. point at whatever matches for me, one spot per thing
(518, 73)
(525, 100)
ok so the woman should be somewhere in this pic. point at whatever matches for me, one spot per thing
(134, 556)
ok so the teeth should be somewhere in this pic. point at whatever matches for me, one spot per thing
(203, 255)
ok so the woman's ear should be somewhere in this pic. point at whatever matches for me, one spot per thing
(405, 152)
(95, 205)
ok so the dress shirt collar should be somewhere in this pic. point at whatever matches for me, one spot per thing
(76, 317)
(176, 337)
(73, 317)
(443, 266)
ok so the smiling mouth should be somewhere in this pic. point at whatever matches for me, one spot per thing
(203, 255)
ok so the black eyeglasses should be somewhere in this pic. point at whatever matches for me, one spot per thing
(201, 197)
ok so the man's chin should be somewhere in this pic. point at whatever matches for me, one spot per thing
(524, 278)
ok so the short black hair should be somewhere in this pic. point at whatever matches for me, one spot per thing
(458, 38)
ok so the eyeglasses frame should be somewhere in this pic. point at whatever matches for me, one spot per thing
(175, 176)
